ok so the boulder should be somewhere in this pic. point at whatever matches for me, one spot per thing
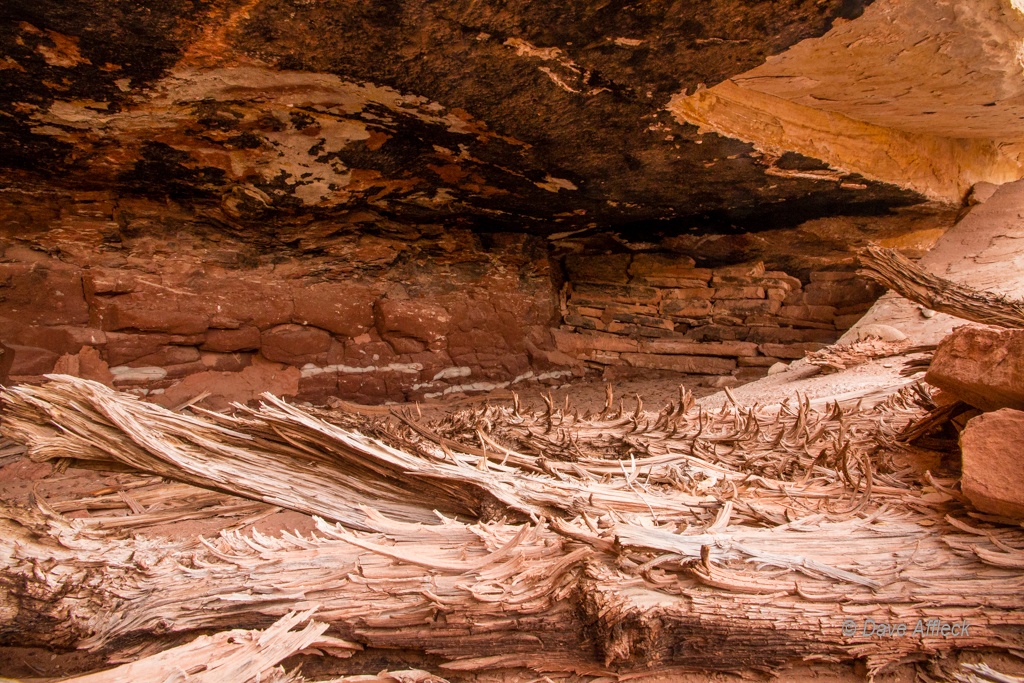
(295, 344)
(982, 366)
(993, 469)
(341, 308)
(32, 360)
(412, 318)
(245, 338)
(86, 364)
(92, 366)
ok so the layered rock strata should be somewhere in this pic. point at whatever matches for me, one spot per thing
(660, 311)
(150, 297)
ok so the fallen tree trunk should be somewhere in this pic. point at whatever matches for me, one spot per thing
(891, 269)
(690, 556)
(690, 458)
(494, 595)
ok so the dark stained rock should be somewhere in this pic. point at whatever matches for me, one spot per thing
(982, 366)
(993, 470)
(509, 115)
(6, 362)
(598, 268)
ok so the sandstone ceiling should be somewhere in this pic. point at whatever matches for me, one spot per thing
(924, 95)
(523, 115)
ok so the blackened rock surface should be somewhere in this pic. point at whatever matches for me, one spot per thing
(521, 115)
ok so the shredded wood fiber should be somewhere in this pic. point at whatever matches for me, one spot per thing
(500, 537)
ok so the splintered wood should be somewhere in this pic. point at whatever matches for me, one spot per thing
(890, 268)
(242, 656)
(498, 537)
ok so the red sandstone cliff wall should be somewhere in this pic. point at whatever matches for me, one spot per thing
(163, 294)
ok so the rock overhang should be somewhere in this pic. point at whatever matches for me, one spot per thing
(518, 117)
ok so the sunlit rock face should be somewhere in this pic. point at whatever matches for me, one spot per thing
(923, 95)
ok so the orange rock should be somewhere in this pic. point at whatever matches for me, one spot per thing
(227, 387)
(993, 471)
(409, 318)
(337, 307)
(295, 344)
(982, 366)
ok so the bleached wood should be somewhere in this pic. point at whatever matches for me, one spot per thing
(740, 537)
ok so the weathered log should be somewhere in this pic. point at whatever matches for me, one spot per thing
(494, 595)
(744, 537)
(891, 269)
(286, 457)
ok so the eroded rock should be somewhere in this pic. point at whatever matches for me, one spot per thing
(992, 445)
(982, 366)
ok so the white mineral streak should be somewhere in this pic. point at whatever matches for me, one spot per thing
(310, 370)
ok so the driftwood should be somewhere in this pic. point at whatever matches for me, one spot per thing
(891, 269)
(680, 539)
